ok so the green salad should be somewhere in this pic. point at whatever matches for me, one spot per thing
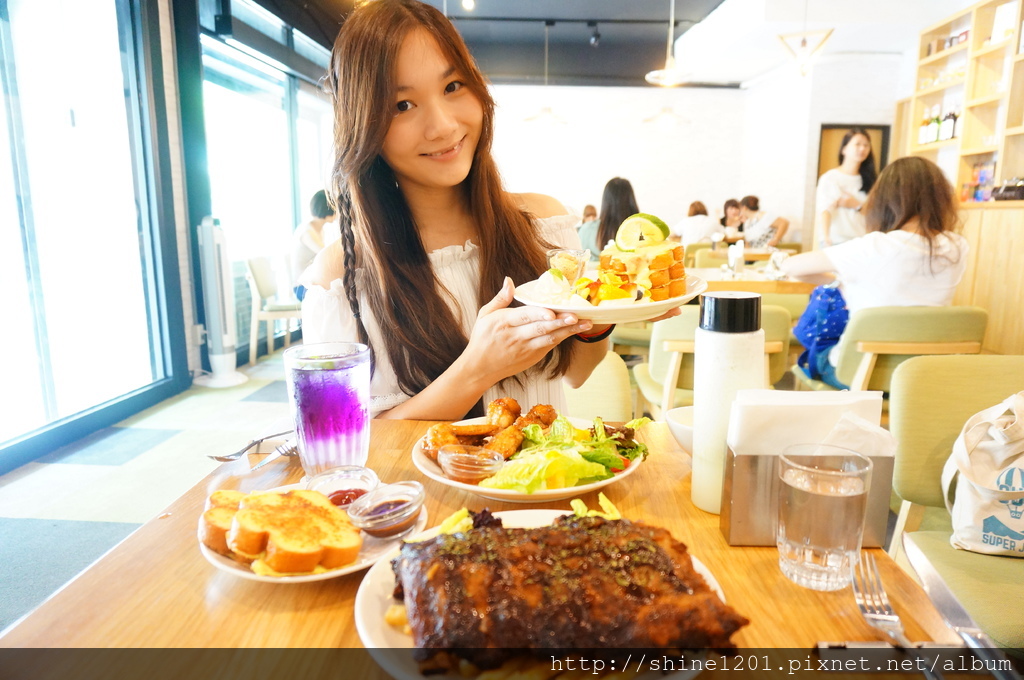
(565, 456)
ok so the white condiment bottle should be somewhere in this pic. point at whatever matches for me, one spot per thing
(728, 356)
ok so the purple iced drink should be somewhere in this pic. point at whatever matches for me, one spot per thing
(329, 391)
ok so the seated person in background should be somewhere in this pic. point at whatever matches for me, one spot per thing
(308, 239)
(588, 229)
(617, 203)
(697, 226)
(761, 229)
(912, 254)
(731, 221)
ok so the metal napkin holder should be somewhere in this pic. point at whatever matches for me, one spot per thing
(750, 499)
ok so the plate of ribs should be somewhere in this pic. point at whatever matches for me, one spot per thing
(502, 431)
(523, 585)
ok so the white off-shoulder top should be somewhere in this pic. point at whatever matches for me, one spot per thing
(327, 317)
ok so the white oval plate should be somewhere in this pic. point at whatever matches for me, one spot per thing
(375, 596)
(433, 470)
(626, 313)
(372, 550)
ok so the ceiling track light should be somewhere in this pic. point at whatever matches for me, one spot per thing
(595, 37)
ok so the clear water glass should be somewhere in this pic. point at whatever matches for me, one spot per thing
(822, 505)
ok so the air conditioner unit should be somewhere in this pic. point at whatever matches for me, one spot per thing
(219, 300)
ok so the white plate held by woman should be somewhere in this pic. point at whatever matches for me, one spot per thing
(433, 470)
(615, 313)
(384, 642)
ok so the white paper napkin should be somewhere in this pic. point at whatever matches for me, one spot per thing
(856, 433)
(764, 422)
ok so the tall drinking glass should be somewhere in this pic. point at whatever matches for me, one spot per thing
(329, 392)
(822, 504)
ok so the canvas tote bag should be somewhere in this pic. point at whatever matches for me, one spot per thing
(983, 481)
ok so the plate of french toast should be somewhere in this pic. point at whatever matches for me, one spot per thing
(538, 455)
(640, 275)
(289, 534)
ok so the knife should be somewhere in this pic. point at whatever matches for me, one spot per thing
(956, 616)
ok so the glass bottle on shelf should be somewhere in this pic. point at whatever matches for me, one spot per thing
(946, 127)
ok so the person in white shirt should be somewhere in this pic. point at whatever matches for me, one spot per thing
(912, 254)
(432, 246)
(697, 226)
(309, 238)
(843, 190)
(761, 229)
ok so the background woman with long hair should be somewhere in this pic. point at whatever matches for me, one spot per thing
(617, 203)
(431, 244)
(912, 254)
(843, 190)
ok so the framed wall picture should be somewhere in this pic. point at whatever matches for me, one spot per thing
(832, 138)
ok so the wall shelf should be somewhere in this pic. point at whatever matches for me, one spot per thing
(980, 150)
(994, 47)
(985, 101)
(1014, 131)
(934, 146)
(936, 89)
(939, 56)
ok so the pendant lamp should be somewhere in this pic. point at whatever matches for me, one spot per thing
(670, 76)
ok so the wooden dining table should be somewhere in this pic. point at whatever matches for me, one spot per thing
(155, 589)
(754, 281)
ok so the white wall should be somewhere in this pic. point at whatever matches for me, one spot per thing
(670, 163)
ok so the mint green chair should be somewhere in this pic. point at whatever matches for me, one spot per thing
(671, 358)
(930, 400)
(879, 339)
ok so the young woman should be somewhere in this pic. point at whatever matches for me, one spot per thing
(617, 203)
(760, 229)
(308, 239)
(431, 245)
(843, 190)
(912, 254)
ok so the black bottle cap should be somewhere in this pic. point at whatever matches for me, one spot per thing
(730, 311)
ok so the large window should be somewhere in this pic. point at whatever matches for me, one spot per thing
(268, 146)
(79, 252)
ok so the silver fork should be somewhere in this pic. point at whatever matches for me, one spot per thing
(285, 449)
(874, 606)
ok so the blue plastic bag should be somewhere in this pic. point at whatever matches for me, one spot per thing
(819, 328)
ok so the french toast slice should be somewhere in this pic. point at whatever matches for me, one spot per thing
(294, 532)
(218, 514)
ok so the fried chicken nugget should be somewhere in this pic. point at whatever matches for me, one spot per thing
(503, 412)
(545, 413)
(437, 436)
(481, 430)
(507, 441)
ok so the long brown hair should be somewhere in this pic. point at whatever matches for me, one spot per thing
(420, 334)
(913, 187)
(617, 203)
(868, 174)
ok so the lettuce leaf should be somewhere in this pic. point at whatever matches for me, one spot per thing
(552, 468)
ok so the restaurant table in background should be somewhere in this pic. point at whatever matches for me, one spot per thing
(751, 280)
(751, 254)
(155, 589)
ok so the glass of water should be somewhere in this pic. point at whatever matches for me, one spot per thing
(822, 503)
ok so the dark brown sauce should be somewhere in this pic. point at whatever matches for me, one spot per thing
(397, 526)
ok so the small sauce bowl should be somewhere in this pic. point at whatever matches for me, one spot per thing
(469, 464)
(388, 510)
(345, 484)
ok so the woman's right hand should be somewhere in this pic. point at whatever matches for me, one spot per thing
(506, 341)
